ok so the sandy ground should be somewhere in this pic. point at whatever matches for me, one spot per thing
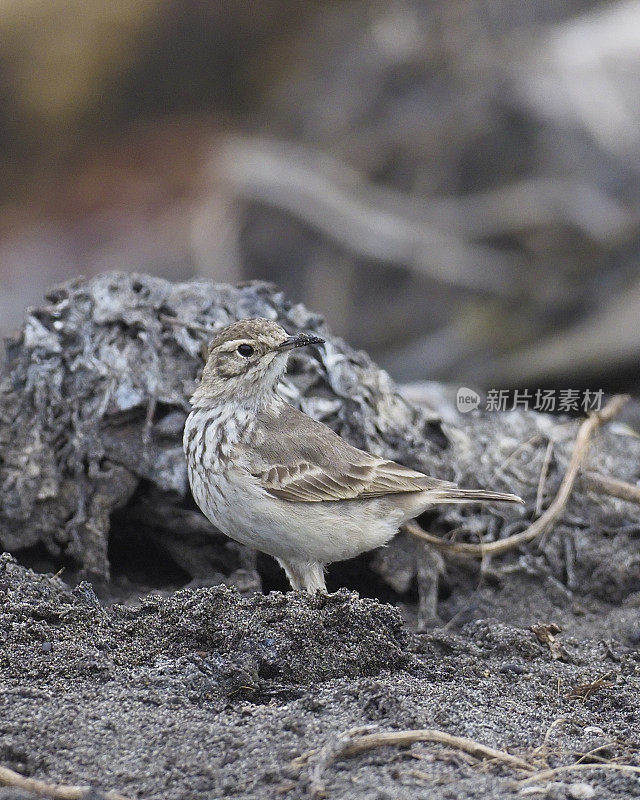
(207, 694)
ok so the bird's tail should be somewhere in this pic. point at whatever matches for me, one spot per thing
(456, 495)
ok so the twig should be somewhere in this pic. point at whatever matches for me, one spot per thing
(544, 472)
(593, 753)
(180, 323)
(522, 446)
(481, 751)
(612, 486)
(547, 736)
(585, 690)
(56, 791)
(550, 773)
(320, 759)
(352, 743)
(553, 512)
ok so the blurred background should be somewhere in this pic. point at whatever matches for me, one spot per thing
(454, 184)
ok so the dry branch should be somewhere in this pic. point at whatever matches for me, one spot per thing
(553, 512)
(56, 791)
(370, 741)
(612, 486)
(355, 741)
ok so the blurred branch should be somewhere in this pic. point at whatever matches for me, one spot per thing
(370, 221)
(610, 336)
(538, 203)
(376, 222)
(55, 791)
(595, 54)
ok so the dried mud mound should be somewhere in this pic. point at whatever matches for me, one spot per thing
(208, 643)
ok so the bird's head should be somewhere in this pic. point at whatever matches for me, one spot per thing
(245, 362)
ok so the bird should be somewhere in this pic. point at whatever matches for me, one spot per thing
(273, 478)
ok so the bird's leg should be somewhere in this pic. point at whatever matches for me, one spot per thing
(430, 570)
(304, 575)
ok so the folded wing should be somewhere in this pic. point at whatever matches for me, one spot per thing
(298, 459)
(310, 483)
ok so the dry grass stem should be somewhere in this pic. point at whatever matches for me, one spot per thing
(353, 742)
(546, 774)
(544, 472)
(553, 512)
(586, 690)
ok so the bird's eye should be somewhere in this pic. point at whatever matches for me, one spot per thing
(245, 350)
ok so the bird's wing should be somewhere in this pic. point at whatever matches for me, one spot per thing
(310, 483)
(298, 459)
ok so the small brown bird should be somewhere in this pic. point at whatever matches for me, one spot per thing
(275, 479)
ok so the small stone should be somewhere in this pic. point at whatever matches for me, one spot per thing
(85, 594)
(581, 791)
(46, 647)
(512, 669)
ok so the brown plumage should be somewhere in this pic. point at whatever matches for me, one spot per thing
(298, 459)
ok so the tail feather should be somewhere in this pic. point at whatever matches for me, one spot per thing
(456, 495)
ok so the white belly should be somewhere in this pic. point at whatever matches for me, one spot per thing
(324, 532)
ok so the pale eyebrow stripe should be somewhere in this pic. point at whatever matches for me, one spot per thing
(233, 343)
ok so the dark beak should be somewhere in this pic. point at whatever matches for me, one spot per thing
(301, 340)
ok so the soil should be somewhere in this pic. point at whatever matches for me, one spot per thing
(207, 694)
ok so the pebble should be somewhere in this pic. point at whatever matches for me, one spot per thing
(581, 791)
